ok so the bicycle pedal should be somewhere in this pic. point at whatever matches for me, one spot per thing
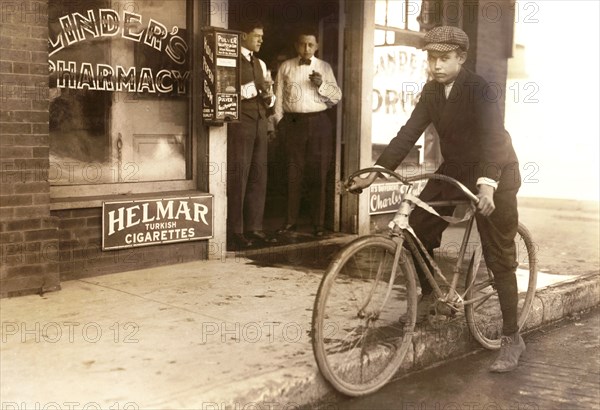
(442, 309)
(436, 321)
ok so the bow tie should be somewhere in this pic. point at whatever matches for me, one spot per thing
(304, 61)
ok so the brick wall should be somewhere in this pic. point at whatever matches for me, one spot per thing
(80, 244)
(39, 248)
(28, 234)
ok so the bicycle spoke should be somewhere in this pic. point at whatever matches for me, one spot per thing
(484, 299)
(366, 304)
(482, 306)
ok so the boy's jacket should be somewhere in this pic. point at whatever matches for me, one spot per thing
(473, 140)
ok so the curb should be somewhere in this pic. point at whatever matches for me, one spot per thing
(292, 387)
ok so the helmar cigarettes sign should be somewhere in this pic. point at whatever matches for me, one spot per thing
(127, 224)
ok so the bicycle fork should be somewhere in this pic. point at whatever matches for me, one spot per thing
(397, 261)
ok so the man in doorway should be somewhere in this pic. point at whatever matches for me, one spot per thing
(247, 146)
(305, 89)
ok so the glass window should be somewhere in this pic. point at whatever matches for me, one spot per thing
(120, 96)
(402, 14)
(400, 67)
(399, 76)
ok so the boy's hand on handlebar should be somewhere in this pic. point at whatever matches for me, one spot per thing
(486, 200)
(356, 185)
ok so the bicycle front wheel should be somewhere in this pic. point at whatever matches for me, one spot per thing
(482, 307)
(364, 315)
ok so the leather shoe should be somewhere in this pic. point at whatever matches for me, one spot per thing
(239, 241)
(319, 231)
(511, 348)
(260, 236)
(287, 228)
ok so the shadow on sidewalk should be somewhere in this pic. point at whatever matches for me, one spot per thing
(307, 258)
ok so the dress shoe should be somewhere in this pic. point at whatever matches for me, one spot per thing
(239, 241)
(260, 236)
(319, 231)
(287, 228)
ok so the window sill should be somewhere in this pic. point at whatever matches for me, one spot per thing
(59, 204)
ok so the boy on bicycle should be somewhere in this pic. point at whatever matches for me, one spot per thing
(478, 152)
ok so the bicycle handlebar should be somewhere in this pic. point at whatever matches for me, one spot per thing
(407, 181)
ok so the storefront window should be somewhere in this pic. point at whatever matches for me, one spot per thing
(400, 68)
(396, 15)
(400, 73)
(120, 94)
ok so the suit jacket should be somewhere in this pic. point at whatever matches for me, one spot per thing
(473, 140)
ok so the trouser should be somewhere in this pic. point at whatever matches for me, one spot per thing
(497, 234)
(309, 150)
(247, 145)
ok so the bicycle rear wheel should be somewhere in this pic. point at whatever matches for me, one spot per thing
(357, 337)
(482, 307)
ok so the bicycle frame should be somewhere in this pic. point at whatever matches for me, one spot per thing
(400, 227)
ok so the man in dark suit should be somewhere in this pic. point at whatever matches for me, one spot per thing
(247, 146)
(478, 152)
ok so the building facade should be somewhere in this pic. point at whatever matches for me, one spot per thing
(101, 131)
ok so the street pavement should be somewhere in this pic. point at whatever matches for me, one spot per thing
(559, 370)
(567, 233)
(233, 332)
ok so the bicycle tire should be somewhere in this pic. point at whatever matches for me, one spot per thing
(485, 319)
(361, 359)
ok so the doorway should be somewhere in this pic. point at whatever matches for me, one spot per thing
(281, 21)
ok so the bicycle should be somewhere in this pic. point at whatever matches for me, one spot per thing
(365, 309)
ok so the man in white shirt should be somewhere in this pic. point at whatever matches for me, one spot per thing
(247, 146)
(305, 89)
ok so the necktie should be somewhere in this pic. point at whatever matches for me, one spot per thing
(304, 61)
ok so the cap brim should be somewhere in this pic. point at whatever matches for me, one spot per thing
(442, 47)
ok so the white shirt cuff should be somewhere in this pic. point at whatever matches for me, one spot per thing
(487, 181)
(248, 90)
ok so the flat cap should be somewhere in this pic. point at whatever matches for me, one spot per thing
(446, 38)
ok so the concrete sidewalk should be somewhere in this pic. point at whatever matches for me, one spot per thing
(201, 335)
